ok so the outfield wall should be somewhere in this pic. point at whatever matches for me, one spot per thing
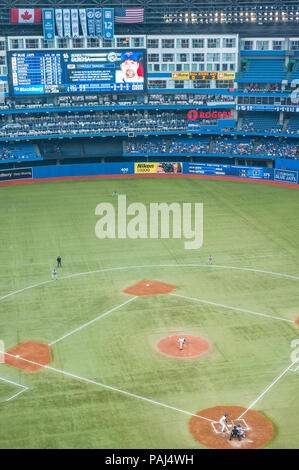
(94, 170)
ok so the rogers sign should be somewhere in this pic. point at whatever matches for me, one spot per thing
(193, 114)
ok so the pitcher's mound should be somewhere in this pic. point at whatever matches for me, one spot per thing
(194, 346)
(32, 351)
(149, 288)
(258, 429)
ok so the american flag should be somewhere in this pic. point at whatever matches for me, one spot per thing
(129, 15)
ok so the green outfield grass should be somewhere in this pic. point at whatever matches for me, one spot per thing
(253, 226)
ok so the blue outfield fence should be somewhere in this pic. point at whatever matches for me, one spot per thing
(128, 168)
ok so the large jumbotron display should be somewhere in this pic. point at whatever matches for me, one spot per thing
(77, 71)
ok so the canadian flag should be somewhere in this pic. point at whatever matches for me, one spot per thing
(25, 15)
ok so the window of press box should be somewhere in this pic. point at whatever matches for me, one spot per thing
(2, 45)
(157, 84)
(229, 42)
(167, 43)
(137, 42)
(93, 42)
(262, 45)
(182, 43)
(213, 43)
(197, 57)
(78, 43)
(247, 45)
(2, 59)
(294, 45)
(198, 43)
(199, 83)
(278, 45)
(153, 58)
(62, 43)
(167, 57)
(48, 44)
(224, 84)
(183, 57)
(153, 43)
(16, 44)
(31, 43)
(179, 84)
(108, 43)
(123, 42)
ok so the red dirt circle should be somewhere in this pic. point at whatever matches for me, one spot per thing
(297, 321)
(148, 287)
(258, 429)
(36, 356)
(193, 347)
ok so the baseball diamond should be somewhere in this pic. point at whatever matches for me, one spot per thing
(95, 330)
(149, 229)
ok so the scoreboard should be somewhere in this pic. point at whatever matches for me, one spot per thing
(76, 71)
(226, 170)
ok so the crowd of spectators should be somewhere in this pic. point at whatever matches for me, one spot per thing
(260, 87)
(11, 153)
(218, 146)
(277, 149)
(82, 100)
(230, 147)
(143, 147)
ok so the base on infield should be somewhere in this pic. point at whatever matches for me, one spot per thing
(193, 347)
(149, 288)
(32, 351)
(258, 429)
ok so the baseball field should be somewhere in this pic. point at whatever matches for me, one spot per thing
(91, 371)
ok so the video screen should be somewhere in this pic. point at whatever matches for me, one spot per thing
(77, 71)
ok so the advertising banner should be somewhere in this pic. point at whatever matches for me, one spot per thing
(83, 21)
(67, 22)
(58, 18)
(165, 167)
(48, 23)
(180, 76)
(226, 75)
(90, 22)
(75, 22)
(15, 174)
(288, 176)
(108, 23)
(98, 21)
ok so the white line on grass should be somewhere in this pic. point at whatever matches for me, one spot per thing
(231, 308)
(92, 321)
(267, 389)
(210, 266)
(24, 388)
(108, 387)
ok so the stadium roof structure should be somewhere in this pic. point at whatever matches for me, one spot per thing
(250, 18)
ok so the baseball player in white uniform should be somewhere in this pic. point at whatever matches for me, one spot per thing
(54, 274)
(181, 341)
(223, 422)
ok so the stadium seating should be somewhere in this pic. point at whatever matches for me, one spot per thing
(258, 70)
(18, 152)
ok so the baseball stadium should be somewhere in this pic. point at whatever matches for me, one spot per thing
(149, 255)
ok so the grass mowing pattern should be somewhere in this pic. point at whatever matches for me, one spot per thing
(245, 225)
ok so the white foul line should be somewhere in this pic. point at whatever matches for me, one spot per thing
(210, 266)
(24, 388)
(231, 308)
(267, 389)
(92, 321)
(108, 387)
